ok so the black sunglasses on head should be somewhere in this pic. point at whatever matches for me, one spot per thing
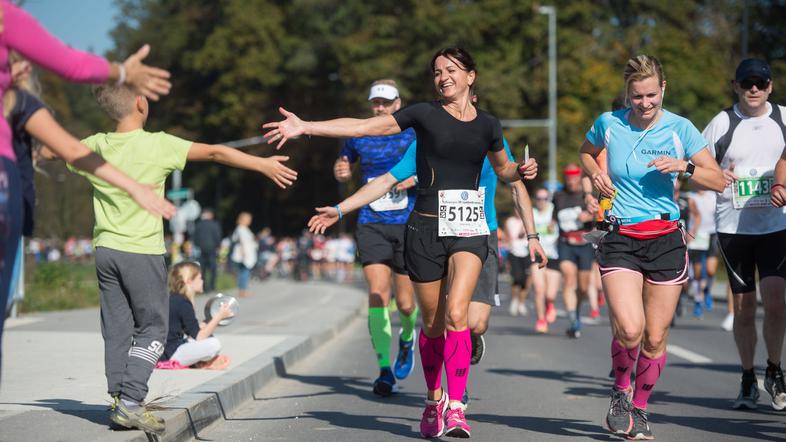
(760, 83)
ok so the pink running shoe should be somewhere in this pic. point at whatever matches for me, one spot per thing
(432, 424)
(456, 423)
(595, 313)
(551, 312)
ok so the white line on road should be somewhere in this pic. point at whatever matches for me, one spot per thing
(686, 354)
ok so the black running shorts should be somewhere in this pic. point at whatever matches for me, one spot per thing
(426, 253)
(744, 254)
(582, 255)
(487, 288)
(662, 260)
(519, 269)
(382, 244)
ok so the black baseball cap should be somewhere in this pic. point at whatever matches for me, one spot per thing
(753, 67)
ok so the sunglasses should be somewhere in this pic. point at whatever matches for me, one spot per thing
(760, 83)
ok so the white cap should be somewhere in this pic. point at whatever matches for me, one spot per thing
(385, 91)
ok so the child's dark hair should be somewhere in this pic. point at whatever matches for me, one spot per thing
(178, 275)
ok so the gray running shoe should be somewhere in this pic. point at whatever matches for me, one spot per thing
(619, 419)
(641, 427)
(140, 418)
(775, 386)
(749, 395)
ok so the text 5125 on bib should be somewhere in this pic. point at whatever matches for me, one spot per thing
(461, 213)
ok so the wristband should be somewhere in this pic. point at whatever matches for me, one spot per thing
(533, 236)
(340, 215)
(121, 74)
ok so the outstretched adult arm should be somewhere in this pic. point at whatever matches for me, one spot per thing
(292, 126)
(23, 33)
(372, 191)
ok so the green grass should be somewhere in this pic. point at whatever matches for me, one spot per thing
(66, 285)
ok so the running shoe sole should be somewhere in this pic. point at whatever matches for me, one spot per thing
(768, 385)
(476, 360)
(640, 436)
(457, 432)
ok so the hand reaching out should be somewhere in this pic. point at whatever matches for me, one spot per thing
(273, 168)
(325, 217)
(281, 131)
(146, 80)
(148, 199)
(342, 170)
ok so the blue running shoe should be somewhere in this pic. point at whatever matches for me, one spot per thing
(707, 300)
(698, 311)
(405, 361)
(385, 384)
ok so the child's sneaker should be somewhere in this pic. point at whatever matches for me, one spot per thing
(136, 417)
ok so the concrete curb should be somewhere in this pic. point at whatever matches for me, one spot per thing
(205, 404)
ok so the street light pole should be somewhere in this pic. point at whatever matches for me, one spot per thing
(551, 12)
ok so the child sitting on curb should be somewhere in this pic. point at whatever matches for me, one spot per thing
(190, 343)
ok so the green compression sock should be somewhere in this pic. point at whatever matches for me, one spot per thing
(408, 324)
(379, 329)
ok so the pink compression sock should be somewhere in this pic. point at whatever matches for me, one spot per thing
(647, 373)
(431, 357)
(622, 359)
(458, 350)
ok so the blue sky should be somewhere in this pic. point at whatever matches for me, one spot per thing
(83, 24)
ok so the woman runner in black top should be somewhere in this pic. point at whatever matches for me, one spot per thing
(446, 240)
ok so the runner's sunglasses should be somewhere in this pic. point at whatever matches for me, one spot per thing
(760, 83)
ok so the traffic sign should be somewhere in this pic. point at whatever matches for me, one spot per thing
(183, 193)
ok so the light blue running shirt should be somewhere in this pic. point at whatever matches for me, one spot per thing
(643, 192)
(488, 179)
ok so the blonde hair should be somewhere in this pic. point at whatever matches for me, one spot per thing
(116, 101)
(180, 273)
(640, 68)
(31, 85)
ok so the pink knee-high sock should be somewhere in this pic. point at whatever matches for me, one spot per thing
(622, 359)
(648, 370)
(458, 350)
(431, 357)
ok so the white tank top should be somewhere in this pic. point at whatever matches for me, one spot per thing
(548, 240)
(755, 148)
(705, 203)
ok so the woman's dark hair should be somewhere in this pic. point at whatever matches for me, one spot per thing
(458, 55)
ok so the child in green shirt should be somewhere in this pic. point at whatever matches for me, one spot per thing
(129, 242)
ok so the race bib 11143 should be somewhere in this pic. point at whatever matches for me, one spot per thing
(752, 190)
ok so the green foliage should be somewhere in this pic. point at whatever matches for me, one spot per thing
(235, 61)
(60, 286)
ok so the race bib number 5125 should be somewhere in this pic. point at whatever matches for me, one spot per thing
(461, 213)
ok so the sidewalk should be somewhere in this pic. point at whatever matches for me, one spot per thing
(54, 387)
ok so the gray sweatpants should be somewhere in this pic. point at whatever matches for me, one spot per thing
(134, 318)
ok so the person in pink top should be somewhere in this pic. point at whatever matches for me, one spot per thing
(20, 32)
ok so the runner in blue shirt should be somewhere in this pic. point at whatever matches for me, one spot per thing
(644, 249)
(380, 237)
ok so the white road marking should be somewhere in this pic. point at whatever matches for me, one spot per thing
(686, 354)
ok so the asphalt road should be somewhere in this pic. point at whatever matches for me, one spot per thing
(527, 388)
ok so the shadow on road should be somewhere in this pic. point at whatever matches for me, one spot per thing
(350, 386)
(745, 429)
(96, 413)
(548, 425)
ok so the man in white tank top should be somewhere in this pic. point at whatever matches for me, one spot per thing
(748, 140)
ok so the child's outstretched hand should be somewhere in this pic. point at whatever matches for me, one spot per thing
(148, 199)
(273, 168)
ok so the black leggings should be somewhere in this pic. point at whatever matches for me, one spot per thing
(10, 231)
